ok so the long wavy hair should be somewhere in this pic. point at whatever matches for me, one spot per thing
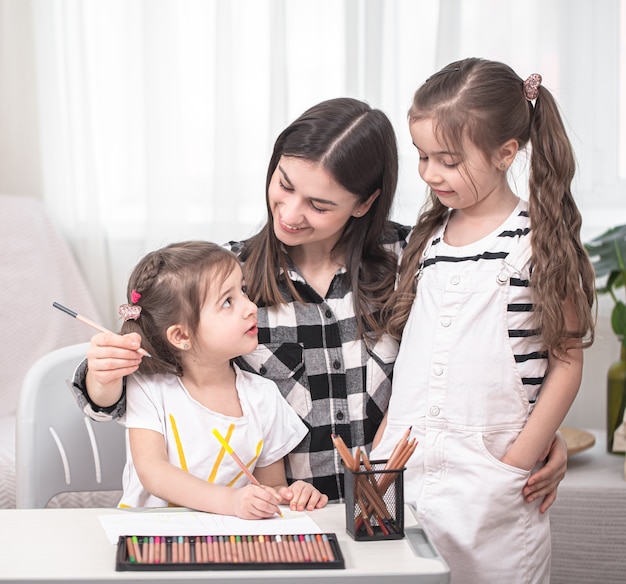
(485, 102)
(356, 146)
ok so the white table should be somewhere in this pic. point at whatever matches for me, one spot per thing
(588, 519)
(70, 545)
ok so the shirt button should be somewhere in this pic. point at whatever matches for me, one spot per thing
(336, 365)
(340, 415)
(434, 411)
(437, 370)
(445, 321)
(455, 280)
(328, 313)
(263, 370)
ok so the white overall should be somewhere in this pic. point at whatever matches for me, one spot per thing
(457, 385)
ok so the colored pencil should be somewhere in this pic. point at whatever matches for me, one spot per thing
(232, 549)
(92, 324)
(329, 550)
(240, 462)
(131, 550)
(138, 556)
(251, 550)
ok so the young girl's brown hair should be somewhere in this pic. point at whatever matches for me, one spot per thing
(485, 101)
(170, 285)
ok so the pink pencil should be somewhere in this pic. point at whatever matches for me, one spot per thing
(92, 324)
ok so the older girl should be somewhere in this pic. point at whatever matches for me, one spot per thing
(494, 306)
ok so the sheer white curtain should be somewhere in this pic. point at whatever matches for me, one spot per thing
(575, 46)
(158, 116)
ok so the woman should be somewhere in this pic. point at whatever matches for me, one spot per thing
(319, 270)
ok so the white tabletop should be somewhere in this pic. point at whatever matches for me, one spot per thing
(70, 545)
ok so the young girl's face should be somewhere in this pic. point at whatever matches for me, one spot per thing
(228, 319)
(461, 180)
(308, 206)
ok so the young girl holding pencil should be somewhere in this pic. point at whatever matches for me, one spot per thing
(494, 306)
(202, 433)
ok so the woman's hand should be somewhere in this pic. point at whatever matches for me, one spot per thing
(110, 358)
(302, 495)
(545, 481)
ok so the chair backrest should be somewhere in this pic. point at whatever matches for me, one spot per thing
(58, 448)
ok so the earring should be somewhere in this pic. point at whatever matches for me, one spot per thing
(186, 346)
(358, 213)
(503, 165)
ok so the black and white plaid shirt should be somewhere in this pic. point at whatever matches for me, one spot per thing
(330, 377)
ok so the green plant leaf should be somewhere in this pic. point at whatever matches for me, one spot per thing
(614, 281)
(608, 251)
(618, 319)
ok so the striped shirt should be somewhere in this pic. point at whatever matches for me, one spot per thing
(513, 241)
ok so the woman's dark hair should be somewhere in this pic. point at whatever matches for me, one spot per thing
(356, 146)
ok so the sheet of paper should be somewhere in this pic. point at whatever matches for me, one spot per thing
(185, 522)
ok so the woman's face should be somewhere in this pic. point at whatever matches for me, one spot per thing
(308, 206)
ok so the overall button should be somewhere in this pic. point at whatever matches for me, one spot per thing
(502, 278)
(455, 280)
(445, 321)
(438, 370)
(434, 411)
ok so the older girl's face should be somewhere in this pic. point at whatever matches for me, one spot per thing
(308, 206)
(461, 180)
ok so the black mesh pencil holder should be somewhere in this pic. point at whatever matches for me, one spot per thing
(374, 502)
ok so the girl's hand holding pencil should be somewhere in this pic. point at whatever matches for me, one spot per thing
(244, 495)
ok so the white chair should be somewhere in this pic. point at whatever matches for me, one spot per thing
(59, 449)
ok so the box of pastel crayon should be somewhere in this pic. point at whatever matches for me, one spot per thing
(234, 552)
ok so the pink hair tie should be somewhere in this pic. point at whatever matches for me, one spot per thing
(130, 311)
(531, 86)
